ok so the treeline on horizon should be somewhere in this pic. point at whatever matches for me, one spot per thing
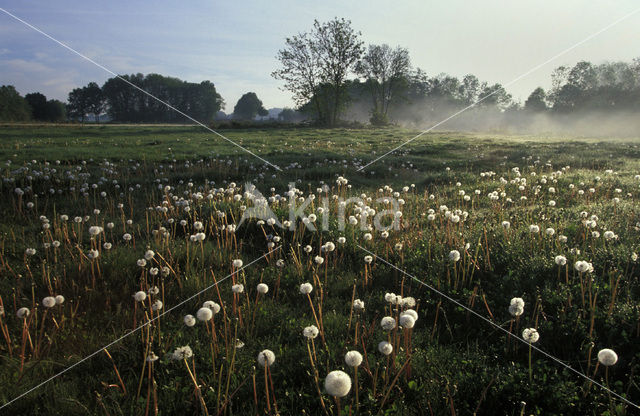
(333, 79)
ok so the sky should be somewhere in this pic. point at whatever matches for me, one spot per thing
(234, 44)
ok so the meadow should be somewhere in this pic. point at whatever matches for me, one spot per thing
(134, 234)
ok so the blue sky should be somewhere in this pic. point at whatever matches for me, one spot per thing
(234, 44)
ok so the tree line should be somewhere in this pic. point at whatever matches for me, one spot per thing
(333, 77)
(330, 72)
(119, 100)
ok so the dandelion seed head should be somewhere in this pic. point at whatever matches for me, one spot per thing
(204, 314)
(407, 321)
(23, 312)
(607, 357)
(266, 358)
(337, 383)
(353, 358)
(189, 320)
(49, 302)
(310, 332)
(385, 347)
(306, 288)
(530, 335)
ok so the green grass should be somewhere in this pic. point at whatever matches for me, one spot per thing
(458, 361)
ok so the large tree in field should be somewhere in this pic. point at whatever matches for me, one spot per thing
(77, 106)
(94, 99)
(386, 71)
(536, 101)
(316, 64)
(248, 107)
(38, 104)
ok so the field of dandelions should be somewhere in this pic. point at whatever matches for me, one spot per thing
(108, 230)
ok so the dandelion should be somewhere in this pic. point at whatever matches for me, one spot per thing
(204, 314)
(530, 335)
(409, 301)
(407, 321)
(266, 358)
(152, 357)
(516, 307)
(318, 260)
(156, 306)
(306, 288)
(262, 288)
(358, 305)
(148, 255)
(237, 288)
(454, 255)
(337, 383)
(95, 230)
(189, 320)
(49, 302)
(237, 263)
(368, 259)
(353, 358)
(385, 347)
(583, 266)
(30, 252)
(126, 237)
(215, 308)
(140, 296)
(534, 229)
(141, 262)
(310, 332)
(22, 313)
(182, 353)
(560, 260)
(607, 357)
(550, 231)
(93, 254)
(388, 323)
(59, 300)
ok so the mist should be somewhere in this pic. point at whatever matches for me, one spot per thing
(481, 119)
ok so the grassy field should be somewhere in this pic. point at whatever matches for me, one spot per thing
(130, 223)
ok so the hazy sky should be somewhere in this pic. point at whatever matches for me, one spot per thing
(234, 44)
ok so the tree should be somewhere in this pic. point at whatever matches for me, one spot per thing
(495, 95)
(470, 89)
(95, 100)
(248, 107)
(316, 64)
(536, 101)
(289, 115)
(128, 104)
(386, 71)
(77, 106)
(38, 104)
(55, 111)
(13, 107)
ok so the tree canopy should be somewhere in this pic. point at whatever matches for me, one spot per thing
(314, 66)
(126, 103)
(248, 107)
(13, 107)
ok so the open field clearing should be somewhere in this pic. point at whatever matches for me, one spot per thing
(232, 288)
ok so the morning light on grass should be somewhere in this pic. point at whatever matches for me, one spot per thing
(324, 224)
